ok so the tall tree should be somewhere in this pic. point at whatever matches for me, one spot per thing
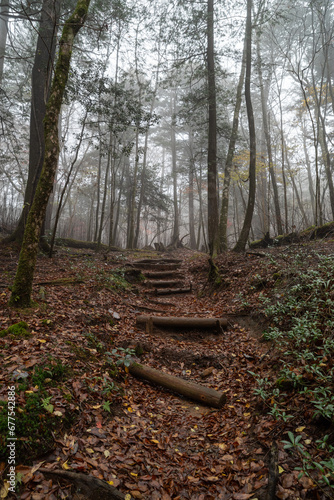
(213, 219)
(230, 154)
(264, 92)
(22, 287)
(40, 90)
(243, 237)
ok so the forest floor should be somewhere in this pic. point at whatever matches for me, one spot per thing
(78, 409)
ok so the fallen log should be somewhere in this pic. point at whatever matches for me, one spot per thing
(191, 390)
(90, 486)
(163, 283)
(215, 324)
(172, 291)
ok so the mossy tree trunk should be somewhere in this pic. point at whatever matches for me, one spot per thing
(22, 287)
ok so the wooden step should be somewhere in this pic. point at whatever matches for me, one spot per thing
(163, 284)
(162, 274)
(156, 267)
(172, 291)
(209, 324)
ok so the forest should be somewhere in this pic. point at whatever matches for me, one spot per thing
(166, 249)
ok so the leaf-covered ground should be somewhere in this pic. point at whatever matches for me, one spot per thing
(77, 408)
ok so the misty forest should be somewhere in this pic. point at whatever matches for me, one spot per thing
(166, 249)
(155, 144)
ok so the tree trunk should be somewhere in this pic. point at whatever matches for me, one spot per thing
(265, 114)
(242, 241)
(176, 229)
(192, 236)
(40, 88)
(22, 287)
(229, 159)
(213, 219)
(4, 11)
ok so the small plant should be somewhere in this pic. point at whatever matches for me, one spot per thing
(324, 468)
(106, 406)
(123, 355)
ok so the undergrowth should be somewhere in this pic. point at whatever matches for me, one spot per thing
(36, 422)
(302, 332)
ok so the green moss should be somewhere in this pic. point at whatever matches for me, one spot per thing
(20, 329)
(34, 427)
(50, 373)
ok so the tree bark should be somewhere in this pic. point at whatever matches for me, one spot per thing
(242, 241)
(22, 287)
(197, 392)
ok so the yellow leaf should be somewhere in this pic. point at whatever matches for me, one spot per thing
(58, 413)
(4, 490)
(308, 441)
(41, 341)
(280, 469)
(133, 474)
(111, 483)
(106, 453)
(127, 497)
(155, 441)
(130, 409)
(89, 450)
(300, 429)
(126, 369)
(96, 407)
(65, 466)
(246, 414)
(222, 446)
(29, 392)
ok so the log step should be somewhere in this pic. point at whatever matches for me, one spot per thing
(191, 390)
(172, 291)
(163, 284)
(216, 324)
(158, 261)
(158, 266)
(162, 274)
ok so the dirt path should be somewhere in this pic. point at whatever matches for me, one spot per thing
(142, 439)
